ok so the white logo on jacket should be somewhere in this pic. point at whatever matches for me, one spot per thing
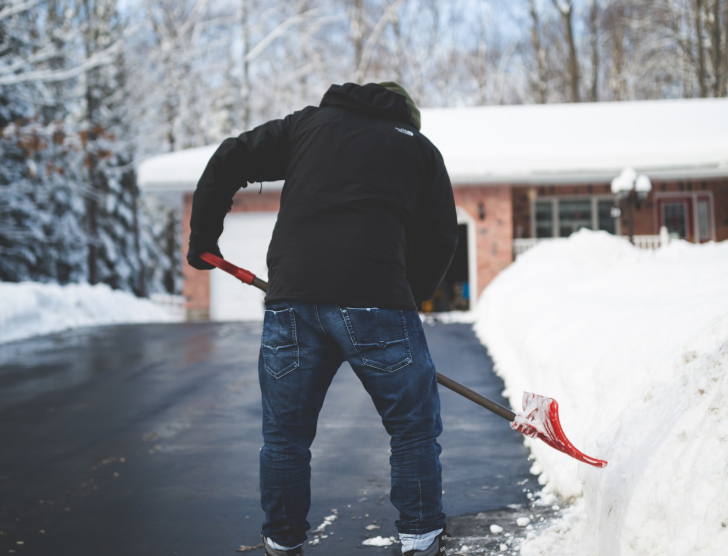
(405, 131)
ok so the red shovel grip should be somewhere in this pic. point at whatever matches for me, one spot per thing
(239, 273)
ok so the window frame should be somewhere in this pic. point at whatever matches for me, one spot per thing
(684, 202)
(692, 198)
(554, 200)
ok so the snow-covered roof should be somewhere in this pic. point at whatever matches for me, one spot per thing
(542, 144)
(180, 171)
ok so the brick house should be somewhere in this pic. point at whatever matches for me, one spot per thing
(520, 174)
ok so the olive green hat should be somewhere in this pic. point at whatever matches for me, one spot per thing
(414, 110)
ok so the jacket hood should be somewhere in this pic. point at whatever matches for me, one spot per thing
(371, 99)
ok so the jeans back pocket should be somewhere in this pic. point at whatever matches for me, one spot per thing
(279, 342)
(379, 337)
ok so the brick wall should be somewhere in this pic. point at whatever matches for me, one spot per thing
(494, 227)
(196, 283)
(645, 215)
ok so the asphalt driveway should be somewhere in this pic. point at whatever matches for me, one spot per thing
(143, 440)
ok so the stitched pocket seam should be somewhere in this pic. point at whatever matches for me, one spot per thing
(375, 364)
(273, 348)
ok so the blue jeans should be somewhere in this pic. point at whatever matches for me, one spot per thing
(303, 345)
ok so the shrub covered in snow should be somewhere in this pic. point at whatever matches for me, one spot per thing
(633, 345)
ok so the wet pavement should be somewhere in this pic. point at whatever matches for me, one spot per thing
(143, 440)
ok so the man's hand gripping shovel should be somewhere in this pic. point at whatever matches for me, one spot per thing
(540, 415)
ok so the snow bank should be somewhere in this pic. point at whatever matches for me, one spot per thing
(30, 308)
(633, 345)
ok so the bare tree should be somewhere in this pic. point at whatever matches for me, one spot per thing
(566, 9)
(365, 49)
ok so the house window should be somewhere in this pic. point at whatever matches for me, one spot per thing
(574, 215)
(607, 221)
(561, 217)
(687, 216)
(703, 229)
(675, 218)
(544, 211)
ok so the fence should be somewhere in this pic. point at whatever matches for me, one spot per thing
(522, 245)
(174, 305)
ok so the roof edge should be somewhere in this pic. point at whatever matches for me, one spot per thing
(586, 177)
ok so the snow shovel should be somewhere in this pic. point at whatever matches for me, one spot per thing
(540, 415)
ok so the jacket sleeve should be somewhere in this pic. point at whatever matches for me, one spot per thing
(435, 236)
(257, 155)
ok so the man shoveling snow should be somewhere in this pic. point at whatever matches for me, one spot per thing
(366, 231)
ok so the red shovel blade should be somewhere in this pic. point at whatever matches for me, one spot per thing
(540, 419)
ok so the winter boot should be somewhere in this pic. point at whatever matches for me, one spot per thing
(269, 551)
(437, 548)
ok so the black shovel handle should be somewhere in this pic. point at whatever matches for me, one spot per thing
(260, 284)
(466, 392)
(447, 382)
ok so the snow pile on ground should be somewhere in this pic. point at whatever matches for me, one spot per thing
(380, 541)
(633, 344)
(30, 308)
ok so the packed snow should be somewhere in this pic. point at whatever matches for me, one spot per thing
(31, 308)
(328, 520)
(380, 541)
(180, 171)
(633, 344)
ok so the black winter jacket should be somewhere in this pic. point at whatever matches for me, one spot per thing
(367, 215)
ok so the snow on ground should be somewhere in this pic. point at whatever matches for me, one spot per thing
(30, 308)
(449, 317)
(633, 344)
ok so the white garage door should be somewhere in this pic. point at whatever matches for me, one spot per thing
(244, 243)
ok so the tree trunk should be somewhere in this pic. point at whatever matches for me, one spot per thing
(357, 29)
(715, 30)
(141, 286)
(92, 233)
(616, 38)
(482, 70)
(573, 62)
(171, 118)
(171, 249)
(723, 81)
(594, 43)
(399, 49)
(541, 87)
(245, 77)
(92, 105)
(698, 14)
(567, 12)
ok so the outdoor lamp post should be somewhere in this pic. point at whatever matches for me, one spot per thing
(633, 188)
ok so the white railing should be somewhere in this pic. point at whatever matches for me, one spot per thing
(174, 305)
(646, 242)
(522, 245)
